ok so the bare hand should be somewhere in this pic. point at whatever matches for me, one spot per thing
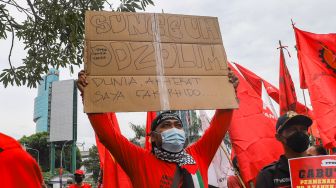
(233, 79)
(82, 82)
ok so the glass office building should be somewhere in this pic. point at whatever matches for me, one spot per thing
(42, 103)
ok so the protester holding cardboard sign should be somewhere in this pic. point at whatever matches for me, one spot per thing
(292, 132)
(154, 62)
(169, 164)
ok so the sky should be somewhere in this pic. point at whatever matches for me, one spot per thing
(250, 31)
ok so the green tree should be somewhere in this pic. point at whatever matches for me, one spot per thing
(52, 33)
(140, 134)
(194, 127)
(66, 163)
(92, 164)
(227, 142)
(39, 141)
(192, 130)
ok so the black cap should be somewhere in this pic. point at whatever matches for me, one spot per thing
(291, 118)
(162, 117)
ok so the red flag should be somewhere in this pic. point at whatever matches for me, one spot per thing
(317, 64)
(101, 152)
(113, 175)
(254, 80)
(260, 148)
(287, 91)
(268, 107)
(150, 117)
(273, 92)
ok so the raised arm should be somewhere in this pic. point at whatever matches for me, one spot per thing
(105, 125)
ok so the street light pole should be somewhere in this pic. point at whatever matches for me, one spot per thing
(38, 155)
(61, 164)
(37, 151)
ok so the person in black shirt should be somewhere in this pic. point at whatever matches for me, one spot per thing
(292, 132)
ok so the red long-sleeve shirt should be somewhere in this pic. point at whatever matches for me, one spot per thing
(143, 168)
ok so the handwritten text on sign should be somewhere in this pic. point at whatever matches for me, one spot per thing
(118, 91)
(141, 26)
(138, 58)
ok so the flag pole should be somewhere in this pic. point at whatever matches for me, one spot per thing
(283, 47)
(235, 170)
(293, 24)
(305, 103)
(304, 99)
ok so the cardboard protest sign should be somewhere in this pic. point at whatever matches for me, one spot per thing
(151, 62)
(313, 172)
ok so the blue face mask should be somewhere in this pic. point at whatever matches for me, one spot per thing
(173, 140)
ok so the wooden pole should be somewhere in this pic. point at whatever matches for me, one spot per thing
(305, 103)
(304, 99)
(235, 170)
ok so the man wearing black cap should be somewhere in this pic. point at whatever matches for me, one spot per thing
(292, 132)
(169, 164)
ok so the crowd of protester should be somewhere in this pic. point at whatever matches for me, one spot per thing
(169, 163)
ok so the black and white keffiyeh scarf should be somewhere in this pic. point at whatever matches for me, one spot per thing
(181, 158)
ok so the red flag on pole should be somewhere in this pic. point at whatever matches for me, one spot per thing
(256, 82)
(150, 117)
(268, 107)
(287, 91)
(274, 93)
(101, 152)
(113, 175)
(260, 148)
(317, 64)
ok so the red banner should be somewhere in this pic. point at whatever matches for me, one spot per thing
(313, 172)
(150, 117)
(287, 100)
(253, 151)
(113, 175)
(317, 65)
(256, 83)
